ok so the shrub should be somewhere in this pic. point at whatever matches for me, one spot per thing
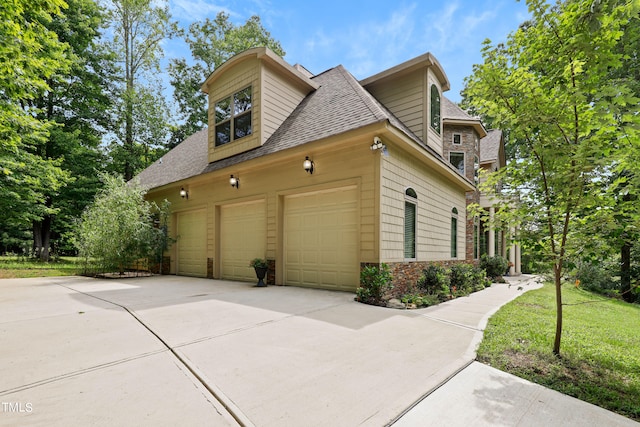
(117, 229)
(435, 281)
(420, 300)
(375, 283)
(479, 279)
(495, 266)
(461, 279)
(594, 277)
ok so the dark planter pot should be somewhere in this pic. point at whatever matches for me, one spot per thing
(260, 273)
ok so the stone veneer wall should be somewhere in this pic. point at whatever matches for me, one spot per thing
(209, 268)
(271, 272)
(468, 137)
(406, 274)
(166, 266)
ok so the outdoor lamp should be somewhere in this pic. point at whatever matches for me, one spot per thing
(377, 144)
(308, 165)
(235, 182)
(184, 193)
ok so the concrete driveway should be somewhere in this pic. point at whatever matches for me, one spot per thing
(170, 350)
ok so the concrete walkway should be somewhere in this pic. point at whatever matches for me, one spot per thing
(180, 351)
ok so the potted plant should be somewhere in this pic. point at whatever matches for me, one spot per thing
(260, 266)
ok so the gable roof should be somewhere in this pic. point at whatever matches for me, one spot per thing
(266, 55)
(452, 114)
(339, 104)
(422, 61)
(490, 146)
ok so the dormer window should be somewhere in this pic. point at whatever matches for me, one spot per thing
(233, 117)
(435, 108)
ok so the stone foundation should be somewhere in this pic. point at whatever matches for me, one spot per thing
(406, 274)
(271, 272)
(166, 266)
(209, 268)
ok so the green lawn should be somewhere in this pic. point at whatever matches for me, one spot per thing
(600, 350)
(14, 267)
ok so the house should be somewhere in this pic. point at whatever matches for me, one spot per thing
(320, 175)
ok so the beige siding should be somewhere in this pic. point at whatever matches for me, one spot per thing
(279, 99)
(350, 164)
(434, 139)
(436, 199)
(405, 98)
(246, 73)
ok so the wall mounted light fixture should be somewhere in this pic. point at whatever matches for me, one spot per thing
(308, 165)
(377, 144)
(184, 193)
(235, 182)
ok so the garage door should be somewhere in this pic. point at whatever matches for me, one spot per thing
(243, 237)
(321, 239)
(192, 243)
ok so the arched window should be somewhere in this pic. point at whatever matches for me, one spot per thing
(410, 202)
(454, 233)
(435, 108)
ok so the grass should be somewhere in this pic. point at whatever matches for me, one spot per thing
(18, 267)
(600, 348)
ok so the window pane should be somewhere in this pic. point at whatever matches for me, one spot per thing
(223, 133)
(242, 126)
(454, 237)
(409, 230)
(242, 101)
(457, 138)
(411, 193)
(435, 108)
(457, 160)
(223, 110)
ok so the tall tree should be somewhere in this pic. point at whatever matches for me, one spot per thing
(31, 54)
(77, 101)
(139, 28)
(551, 86)
(212, 42)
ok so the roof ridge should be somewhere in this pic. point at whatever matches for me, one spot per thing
(368, 99)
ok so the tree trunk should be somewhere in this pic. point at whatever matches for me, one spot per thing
(557, 269)
(42, 238)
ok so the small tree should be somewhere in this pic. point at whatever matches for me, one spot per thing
(551, 86)
(117, 229)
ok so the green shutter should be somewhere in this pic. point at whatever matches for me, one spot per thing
(454, 237)
(409, 230)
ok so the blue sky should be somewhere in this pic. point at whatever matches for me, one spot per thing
(367, 37)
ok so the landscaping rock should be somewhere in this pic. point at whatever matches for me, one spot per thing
(395, 303)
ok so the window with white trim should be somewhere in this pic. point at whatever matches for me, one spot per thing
(435, 108)
(410, 210)
(233, 117)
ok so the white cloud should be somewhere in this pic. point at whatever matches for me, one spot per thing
(195, 10)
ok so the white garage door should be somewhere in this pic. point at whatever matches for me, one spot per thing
(321, 239)
(192, 243)
(243, 237)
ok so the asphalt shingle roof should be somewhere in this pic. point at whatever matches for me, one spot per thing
(450, 110)
(339, 105)
(490, 146)
(187, 159)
